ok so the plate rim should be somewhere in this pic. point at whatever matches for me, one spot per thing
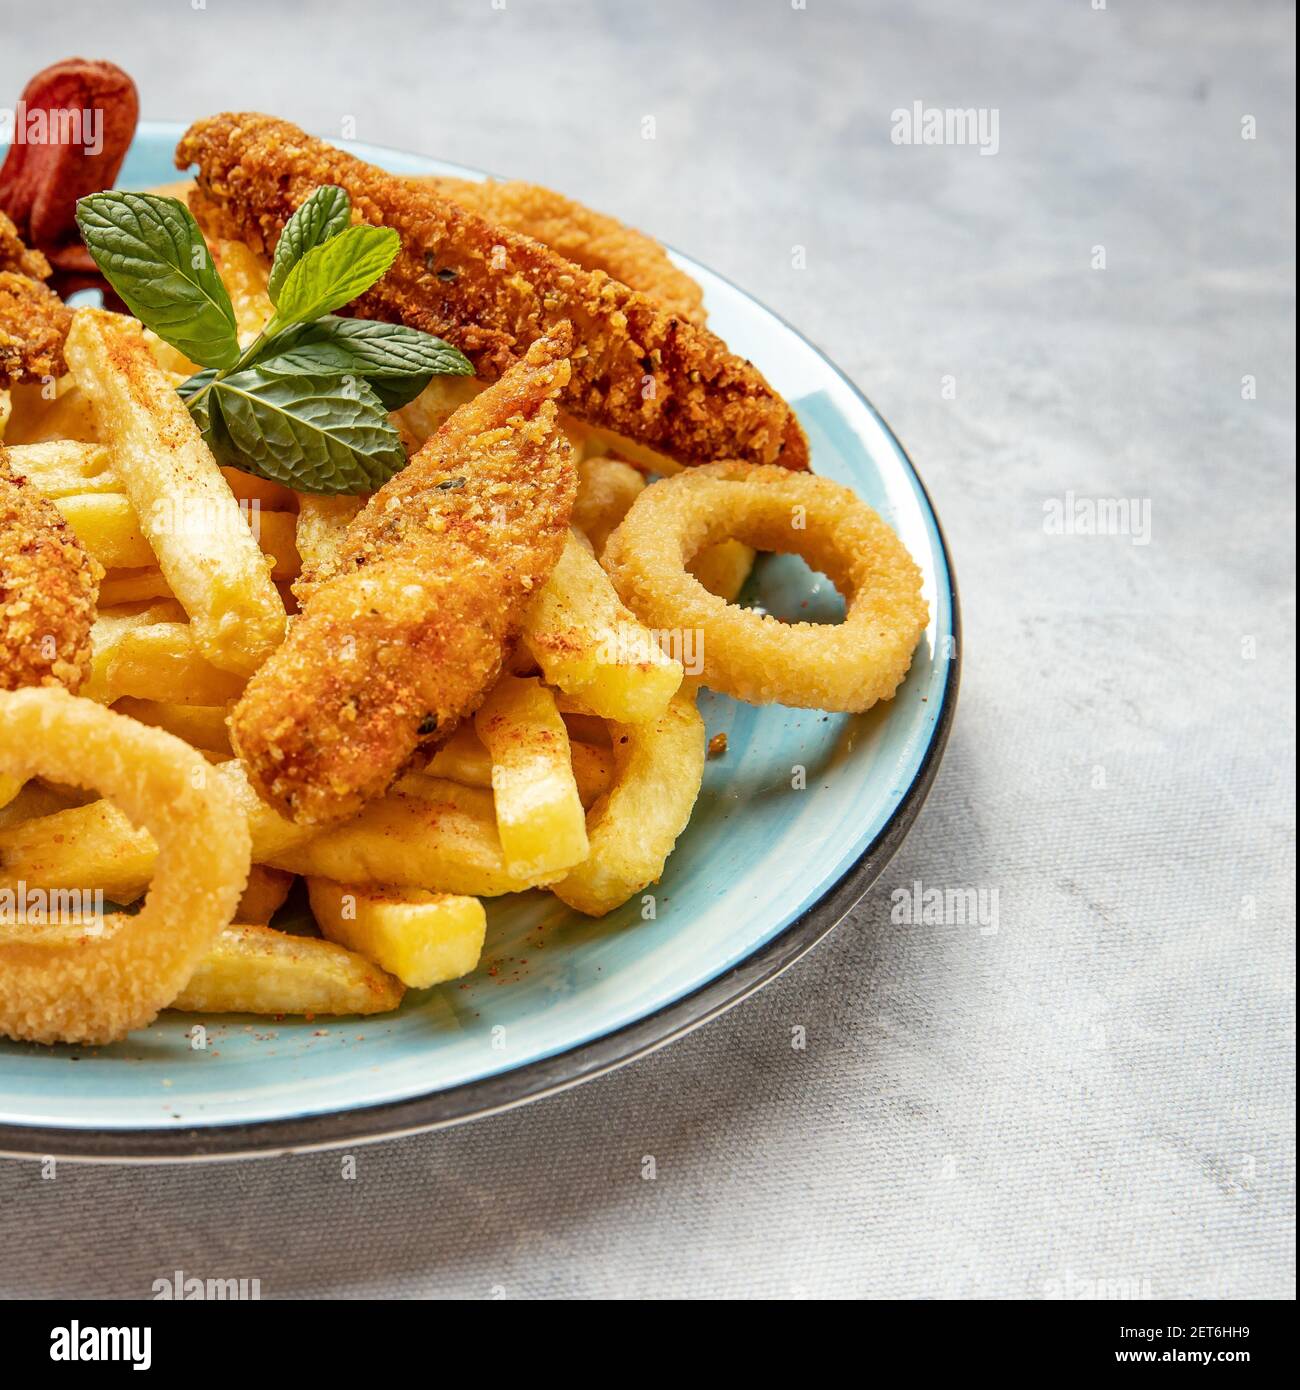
(507, 1090)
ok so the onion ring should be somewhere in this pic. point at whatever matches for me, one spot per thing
(752, 656)
(96, 986)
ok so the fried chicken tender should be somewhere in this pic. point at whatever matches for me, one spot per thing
(409, 630)
(17, 257)
(48, 589)
(588, 238)
(33, 319)
(639, 370)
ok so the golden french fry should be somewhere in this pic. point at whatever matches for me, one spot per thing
(37, 419)
(264, 894)
(274, 532)
(593, 770)
(183, 505)
(108, 527)
(422, 938)
(723, 568)
(592, 647)
(9, 789)
(426, 833)
(318, 537)
(86, 845)
(632, 829)
(34, 799)
(606, 489)
(462, 759)
(161, 661)
(172, 360)
(96, 844)
(64, 467)
(132, 586)
(201, 726)
(539, 813)
(253, 969)
(244, 274)
(109, 627)
(248, 487)
(106, 524)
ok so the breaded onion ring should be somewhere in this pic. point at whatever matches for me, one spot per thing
(755, 657)
(97, 986)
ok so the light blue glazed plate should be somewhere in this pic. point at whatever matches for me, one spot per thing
(762, 873)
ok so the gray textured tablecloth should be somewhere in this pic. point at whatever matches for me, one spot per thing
(1098, 1097)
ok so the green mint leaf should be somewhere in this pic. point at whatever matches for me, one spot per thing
(151, 251)
(321, 434)
(324, 215)
(397, 361)
(334, 273)
(195, 383)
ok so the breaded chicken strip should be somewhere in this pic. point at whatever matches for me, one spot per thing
(638, 370)
(48, 588)
(409, 631)
(17, 257)
(33, 319)
(588, 238)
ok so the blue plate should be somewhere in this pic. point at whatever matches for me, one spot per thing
(762, 873)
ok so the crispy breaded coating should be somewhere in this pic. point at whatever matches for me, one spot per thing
(410, 629)
(588, 238)
(33, 319)
(638, 369)
(48, 588)
(17, 257)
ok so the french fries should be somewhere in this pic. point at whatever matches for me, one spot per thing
(606, 489)
(96, 844)
(162, 661)
(244, 274)
(106, 524)
(91, 844)
(538, 810)
(660, 766)
(183, 505)
(422, 938)
(201, 726)
(590, 646)
(464, 759)
(132, 586)
(577, 773)
(322, 523)
(64, 467)
(426, 833)
(255, 970)
(723, 568)
(264, 894)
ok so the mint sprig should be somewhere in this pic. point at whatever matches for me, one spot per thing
(323, 215)
(306, 404)
(152, 253)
